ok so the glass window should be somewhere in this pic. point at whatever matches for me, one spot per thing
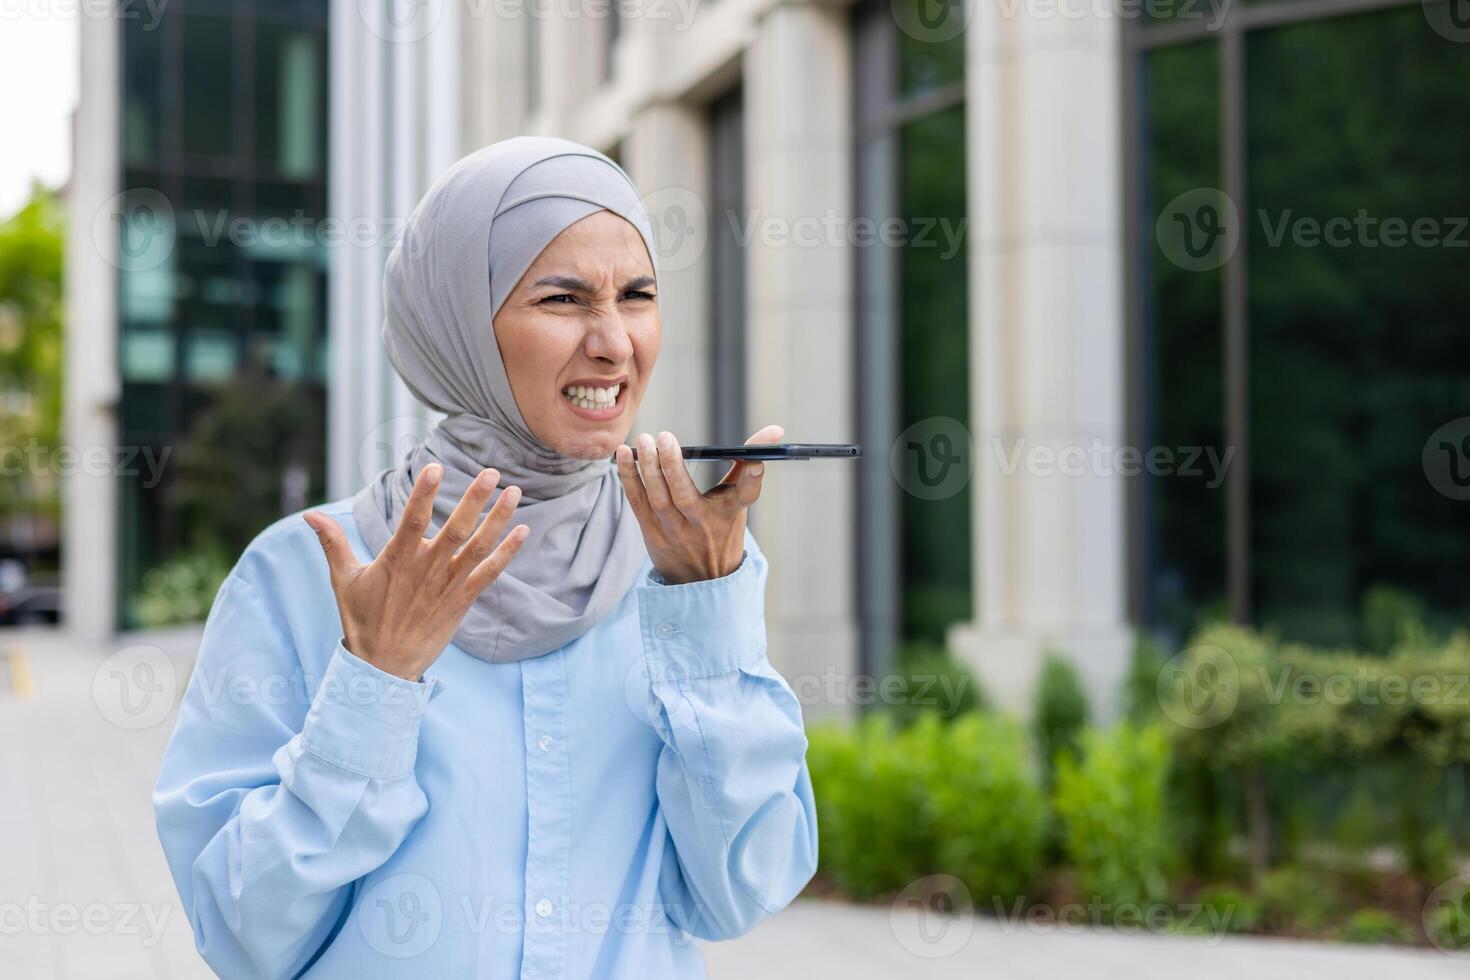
(1358, 342)
(237, 298)
(212, 354)
(142, 95)
(933, 346)
(147, 354)
(533, 56)
(912, 318)
(209, 44)
(1354, 299)
(614, 30)
(1181, 371)
(930, 43)
(727, 269)
(290, 101)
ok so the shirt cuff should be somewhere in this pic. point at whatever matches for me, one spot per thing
(703, 629)
(366, 720)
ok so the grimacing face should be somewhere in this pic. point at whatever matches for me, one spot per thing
(579, 335)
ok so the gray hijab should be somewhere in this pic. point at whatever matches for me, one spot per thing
(462, 252)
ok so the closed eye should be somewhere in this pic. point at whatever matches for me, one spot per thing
(638, 294)
(559, 298)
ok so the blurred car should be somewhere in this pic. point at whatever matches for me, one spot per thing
(24, 602)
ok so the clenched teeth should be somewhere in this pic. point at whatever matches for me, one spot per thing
(584, 396)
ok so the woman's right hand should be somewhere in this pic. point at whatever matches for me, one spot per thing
(400, 610)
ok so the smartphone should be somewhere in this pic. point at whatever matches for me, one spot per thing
(785, 450)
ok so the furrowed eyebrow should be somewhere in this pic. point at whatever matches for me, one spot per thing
(574, 284)
(569, 283)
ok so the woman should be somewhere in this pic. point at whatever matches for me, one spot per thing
(418, 746)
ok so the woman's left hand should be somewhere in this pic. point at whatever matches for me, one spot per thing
(691, 536)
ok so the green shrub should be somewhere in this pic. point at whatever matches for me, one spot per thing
(1427, 847)
(871, 815)
(985, 803)
(1374, 926)
(1390, 617)
(180, 590)
(1431, 854)
(1245, 705)
(1111, 805)
(929, 680)
(1297, 707)
(1296, 898)
(1061, 710)
(1202, 820)
(1226, 910)
(1447, 921)
(894, 805)
(1141, 684)
(1356, 829)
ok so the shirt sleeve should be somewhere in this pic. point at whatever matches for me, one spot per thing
(732, 780)
(270, 803)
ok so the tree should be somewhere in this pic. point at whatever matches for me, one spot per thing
(31, 259)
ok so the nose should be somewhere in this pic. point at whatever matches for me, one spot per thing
(607, 339)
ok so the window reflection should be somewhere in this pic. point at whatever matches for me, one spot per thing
(1356, 337)
(224, 121)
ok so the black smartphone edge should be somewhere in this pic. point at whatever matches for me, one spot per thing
(785, 450)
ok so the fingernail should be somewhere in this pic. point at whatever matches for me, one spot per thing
(431, 473)
(666, 439)
(756, 469)
(645, 441)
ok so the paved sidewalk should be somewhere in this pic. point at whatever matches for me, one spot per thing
(85, 894)
(819, 940)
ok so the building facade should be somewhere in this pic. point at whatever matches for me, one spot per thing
(1051, 263)
(818, 173)
(197, 288)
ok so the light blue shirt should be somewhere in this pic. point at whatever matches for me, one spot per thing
(579, 814)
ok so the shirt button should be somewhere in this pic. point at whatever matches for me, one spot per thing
(545, 742)
(664, 630)
(543, 908)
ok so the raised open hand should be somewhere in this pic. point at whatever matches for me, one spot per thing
(691, 536)
(400, 610)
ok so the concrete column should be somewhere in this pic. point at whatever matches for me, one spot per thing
(493, 53)
(394, 84)
(571, 66)
(667, 156)
(798, 85)
(1047, 355)
(92, 384)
